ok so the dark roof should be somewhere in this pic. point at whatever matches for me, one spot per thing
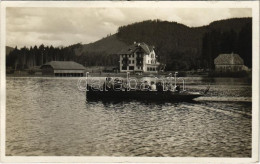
(132, 48)
(68, 65)
(229, 59)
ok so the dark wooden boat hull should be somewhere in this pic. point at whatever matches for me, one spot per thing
(141, 95)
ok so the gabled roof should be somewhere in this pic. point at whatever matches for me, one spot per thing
(132, 48)
(229, 59)
(64, 65)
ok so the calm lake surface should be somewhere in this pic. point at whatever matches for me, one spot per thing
(50, 117)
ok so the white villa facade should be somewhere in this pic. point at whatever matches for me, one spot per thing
(138, 57)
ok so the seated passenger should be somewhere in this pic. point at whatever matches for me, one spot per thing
(125, 85)
(108, 84)
(117, 84)
(153, 86)
(145, 86)
(170, 87)
(177, 89)
(159, 87)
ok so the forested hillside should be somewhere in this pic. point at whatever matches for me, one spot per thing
(182, 47)
(8, 50)
(178, 46)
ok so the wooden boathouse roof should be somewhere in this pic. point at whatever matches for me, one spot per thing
(64, 65)
(228, 59)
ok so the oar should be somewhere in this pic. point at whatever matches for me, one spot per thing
(207, 89)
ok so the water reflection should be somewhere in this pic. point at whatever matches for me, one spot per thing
(50, 117)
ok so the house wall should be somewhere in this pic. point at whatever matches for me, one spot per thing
(69, 71)
(73, 73)
(149, 63)
(229, 68)
(131, 63)
(121, 63)
(48, 70)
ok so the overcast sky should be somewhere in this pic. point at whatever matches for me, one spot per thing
(67, 26)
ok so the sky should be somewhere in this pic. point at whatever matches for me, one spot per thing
(67, 26)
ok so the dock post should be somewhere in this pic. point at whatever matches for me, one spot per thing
(175, 75)
(87, 80)
(183, 83)
(127, 80)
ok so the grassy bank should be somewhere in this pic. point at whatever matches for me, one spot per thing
(239, 74)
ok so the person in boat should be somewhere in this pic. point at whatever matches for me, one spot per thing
(167, 86)
(125, 86)
(145, 86)
(108, 86)
(117, 84)
(170, 87)
(153, 86)
(159, 87)
(177, 89)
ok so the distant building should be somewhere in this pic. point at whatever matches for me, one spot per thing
(138, 57)
(100, 69)
(63, 68)
(229, 63)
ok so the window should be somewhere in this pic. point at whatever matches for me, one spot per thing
(124, 67)
(133, 61)
(131, 67)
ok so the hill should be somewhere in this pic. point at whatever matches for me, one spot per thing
(109, 45)
(179, 46)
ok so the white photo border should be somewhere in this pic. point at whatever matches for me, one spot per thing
(254, 5)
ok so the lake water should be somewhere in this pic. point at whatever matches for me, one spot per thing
(50, 117)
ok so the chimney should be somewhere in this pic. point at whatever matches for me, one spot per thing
(134, 42)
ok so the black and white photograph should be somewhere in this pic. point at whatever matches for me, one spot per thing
(130, 79)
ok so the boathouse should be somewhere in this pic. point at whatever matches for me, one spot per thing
(63, 68)
(138, 57)
(229, 63)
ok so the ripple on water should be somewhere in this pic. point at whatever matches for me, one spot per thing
(51, 117)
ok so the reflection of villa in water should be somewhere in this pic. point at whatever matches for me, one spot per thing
(63, 68)
(138, 57)
(229, 63)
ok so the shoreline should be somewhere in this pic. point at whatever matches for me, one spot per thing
(124, 75)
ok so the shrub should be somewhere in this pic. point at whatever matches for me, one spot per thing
(229, 74)
(31, 72)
